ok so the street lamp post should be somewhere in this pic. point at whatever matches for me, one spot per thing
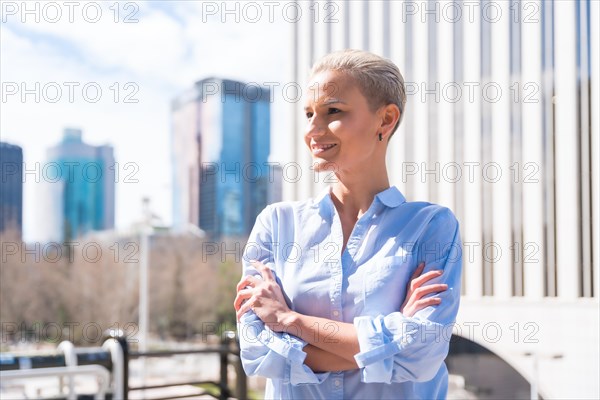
(143, 297)
(143, 290)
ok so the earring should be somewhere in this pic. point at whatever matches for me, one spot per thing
(380, 137)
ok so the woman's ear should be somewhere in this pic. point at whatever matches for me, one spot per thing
(390, 114)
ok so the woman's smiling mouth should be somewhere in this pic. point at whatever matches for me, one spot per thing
(321, 148)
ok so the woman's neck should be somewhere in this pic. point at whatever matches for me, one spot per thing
(353, 198)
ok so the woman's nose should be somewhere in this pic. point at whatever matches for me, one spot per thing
(314, 128)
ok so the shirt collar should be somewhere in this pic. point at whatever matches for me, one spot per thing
(390, 197)
(323, 194)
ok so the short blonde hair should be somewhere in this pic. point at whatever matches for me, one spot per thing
(378, 78)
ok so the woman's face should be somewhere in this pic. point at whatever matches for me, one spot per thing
(341, 131)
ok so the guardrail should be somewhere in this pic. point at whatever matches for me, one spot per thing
(99, 372)
(110, 365)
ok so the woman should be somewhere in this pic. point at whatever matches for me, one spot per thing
(334, 303)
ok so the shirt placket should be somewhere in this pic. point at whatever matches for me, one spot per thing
(343, 264)
(335, 267)
(336, 379)
(357, 236)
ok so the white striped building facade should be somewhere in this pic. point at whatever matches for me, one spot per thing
(501, 126)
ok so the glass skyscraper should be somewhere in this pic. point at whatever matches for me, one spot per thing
(220, 148)
(80, 184)
(11, 195)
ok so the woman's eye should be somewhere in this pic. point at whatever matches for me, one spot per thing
(334, 110)
(309, 115)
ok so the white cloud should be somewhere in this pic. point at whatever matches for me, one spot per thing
(145, 48)
(163, 54)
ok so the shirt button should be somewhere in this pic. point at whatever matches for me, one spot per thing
(335, 314)
(337, 383)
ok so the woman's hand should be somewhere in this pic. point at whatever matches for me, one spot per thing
(416, 290)
(263, 296)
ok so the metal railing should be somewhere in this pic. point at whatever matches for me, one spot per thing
(226, 350)
(101, 374)
(110, 365)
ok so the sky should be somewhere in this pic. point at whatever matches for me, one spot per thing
(112, 69)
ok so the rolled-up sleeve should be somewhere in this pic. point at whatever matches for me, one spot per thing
(264, 352)
(396, 348)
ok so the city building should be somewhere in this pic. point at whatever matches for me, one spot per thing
(220, 141)
(78, 183)
(11, 195)
(499, 128)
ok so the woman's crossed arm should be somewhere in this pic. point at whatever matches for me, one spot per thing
(332, 345)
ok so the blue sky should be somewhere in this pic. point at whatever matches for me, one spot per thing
(172, 45)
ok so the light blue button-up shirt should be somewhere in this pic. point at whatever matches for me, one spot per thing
(400, 357)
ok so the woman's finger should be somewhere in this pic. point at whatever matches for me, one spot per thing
(425, 290)
(242, 295)
(419, 305)
(430, 301)
(418, 271)
(265, 271)
(247, 306)
(248, 280)
(418, 282)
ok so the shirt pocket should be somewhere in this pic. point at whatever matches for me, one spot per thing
(385, 283)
